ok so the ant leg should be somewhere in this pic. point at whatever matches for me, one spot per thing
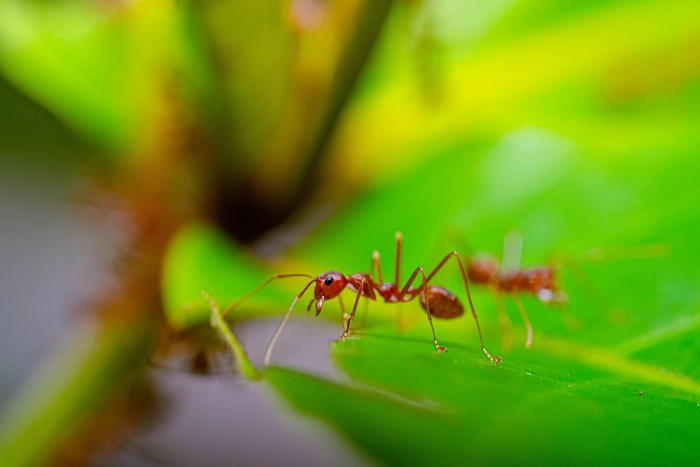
(365, 312)
(570, 321)
(399, 314)
(375, 264)
(363, 284)
(257, 289)
(343, 314)
(397, 265)
(439, 348)
(308, 307)
(528, 326)
(504, 322)
(615, 315)
(469, 296)
(397, 278)
(271, 344)
(583, 281)
(658, 250)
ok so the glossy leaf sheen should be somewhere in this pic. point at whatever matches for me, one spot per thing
(457, 408)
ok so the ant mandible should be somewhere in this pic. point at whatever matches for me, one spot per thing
(539, 281)
(436, 300)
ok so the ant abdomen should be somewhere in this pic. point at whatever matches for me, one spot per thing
(443, 303)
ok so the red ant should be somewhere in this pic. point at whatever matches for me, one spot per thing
(539, 281)
(435, 300)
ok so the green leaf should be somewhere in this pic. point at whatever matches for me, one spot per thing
(103, 70)
(409, 405)
(622, 386)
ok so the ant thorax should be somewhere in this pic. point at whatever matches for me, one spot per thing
(356, 281)
(536, 279)
(390, 292)
(539, 281)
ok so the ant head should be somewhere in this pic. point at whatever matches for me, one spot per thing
(328, 286)
(543, 283)
(540, 281)
(552, 297)
(482, 269)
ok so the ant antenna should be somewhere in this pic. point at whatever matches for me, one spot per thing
(257, 289)
(399, 238)
(270, 346)
(512, 251)
(456, 236)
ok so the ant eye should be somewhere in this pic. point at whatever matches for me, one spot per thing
(328, 281)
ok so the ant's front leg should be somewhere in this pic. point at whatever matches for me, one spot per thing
(526, 320)
(343, 314)
(363, 284)
(439, 348)
(503, 321)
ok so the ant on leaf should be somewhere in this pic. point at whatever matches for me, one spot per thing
(436, 300)
(509, 277)
(540, 281)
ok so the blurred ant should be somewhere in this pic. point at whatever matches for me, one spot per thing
(435, 300)
(540, 281)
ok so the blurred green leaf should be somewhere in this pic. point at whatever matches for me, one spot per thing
(104, 70)
(251, 48)
(582, 74)
(29, 128)
(201, 258)
(86, 376)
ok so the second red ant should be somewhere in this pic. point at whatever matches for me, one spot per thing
(436, 300)
(539, 281)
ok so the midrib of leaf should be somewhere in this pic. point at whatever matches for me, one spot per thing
(674, 329)
(612, 361)
(217, 322)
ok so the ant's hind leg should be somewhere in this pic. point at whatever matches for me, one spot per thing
(343, 314)
(439, 348)
(397, 279)
(363, 284)
(528, 326)
(398, 318)
(571, 322)
(463, 274)
(504, 323)
(365, 311)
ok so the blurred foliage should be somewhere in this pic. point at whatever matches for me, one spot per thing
(224, 124)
